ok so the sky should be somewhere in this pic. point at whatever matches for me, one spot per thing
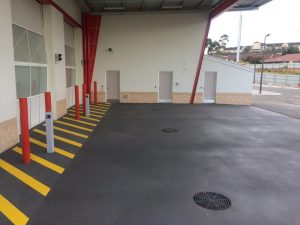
(280, 18)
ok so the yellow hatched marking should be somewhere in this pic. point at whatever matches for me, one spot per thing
(79, 121)
(68, 141)
(42, 161)
(57, 150)
(70, 132)
(85, 117)
(97, 112)
(72, 125)
(12, 212)
(98, 108)
(100, 115)
(25, 178)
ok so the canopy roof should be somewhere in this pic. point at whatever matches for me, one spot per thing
(160, 6)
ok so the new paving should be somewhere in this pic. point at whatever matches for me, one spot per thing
(129, 172)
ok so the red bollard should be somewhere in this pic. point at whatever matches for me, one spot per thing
(95, 92)
(48, 102)
(83, 97)
(77, 112)
(24, 130)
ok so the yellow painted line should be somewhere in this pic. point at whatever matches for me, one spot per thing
(70, 132)
(42, 161)
(12, 212)
(72, 125)
(68, 141)
(98, 108)
(25, 178)
(79, 121)
(57, 150)
(85, 117)
(100, 115)
(98, 112)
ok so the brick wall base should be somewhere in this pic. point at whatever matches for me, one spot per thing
(234, 98)
(138, 97)
(8, 134)
(184, 98)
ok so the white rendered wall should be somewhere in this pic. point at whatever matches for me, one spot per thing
(231, 77)
(7, 71)
(70, 7)
(143, 45)
(79, 58)
(27, 14)
(55, 44)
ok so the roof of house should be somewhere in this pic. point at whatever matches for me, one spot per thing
(285, 58)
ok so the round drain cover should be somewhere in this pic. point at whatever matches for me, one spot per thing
(211, 200)
(169, 130)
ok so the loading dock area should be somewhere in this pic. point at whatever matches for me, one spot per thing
(130, 172)
(131, 124)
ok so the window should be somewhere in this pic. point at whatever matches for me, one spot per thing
(70, 66)
(30, 62)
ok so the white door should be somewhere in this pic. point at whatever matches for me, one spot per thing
(165, 86)
(113, 85)
(210, 81)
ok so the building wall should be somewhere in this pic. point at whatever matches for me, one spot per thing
(71, 8)
(27, 14)
(234, 82)
(54, 41)
(8, 102)
(143, 45)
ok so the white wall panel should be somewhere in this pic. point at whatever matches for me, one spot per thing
(71, 8)
(27, 14)
(231, 77)
(7, 71)
(143, 45)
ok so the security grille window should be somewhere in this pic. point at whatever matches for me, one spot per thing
(70, 66)
(30, 62)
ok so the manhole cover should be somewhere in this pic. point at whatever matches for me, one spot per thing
(169, 130)
(211, 200)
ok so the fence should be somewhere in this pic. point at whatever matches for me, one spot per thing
(281, 80)
(276, 66)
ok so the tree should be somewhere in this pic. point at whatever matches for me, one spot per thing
(214, 47)
(224, 39)
(253, 59)
(247, 49)
(290, 50)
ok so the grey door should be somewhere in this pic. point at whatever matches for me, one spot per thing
(165, 86)
(210, 81)
(113, 85)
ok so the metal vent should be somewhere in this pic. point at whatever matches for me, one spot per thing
(211, 200)
(169, 130)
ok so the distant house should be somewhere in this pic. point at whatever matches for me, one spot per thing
(289, 58)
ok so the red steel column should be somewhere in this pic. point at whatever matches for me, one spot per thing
(220, 8)
(95, 93)
(83, 98)
(24, 130)
(77, 113)
(200, 62)
(48, 102)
